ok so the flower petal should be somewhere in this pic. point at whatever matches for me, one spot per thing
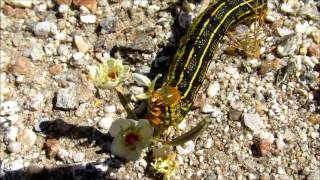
(145, 131)
(120, 124)
(141, 80)
(118, 148)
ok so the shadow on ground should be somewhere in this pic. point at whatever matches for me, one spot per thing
(59, 128)
(90, 171)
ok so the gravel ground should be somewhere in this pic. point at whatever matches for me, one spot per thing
(264, 111)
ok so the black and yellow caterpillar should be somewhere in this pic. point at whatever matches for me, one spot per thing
(195, 52)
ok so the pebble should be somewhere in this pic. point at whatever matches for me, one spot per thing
(110, 109)
(235, 115)
(88, 19)
(280, 142)
(271, 66)
(50, 49)
(284, 31)
(45, 28)
(55, 69)
(264, 142)
(78, 157)
(90, 4)
(207, 108)
(289, 46)
(10, 120)
(9, 107)
(66, 99)
(36, 52)
(37, 102)
(22, 66)
(314, 119)
(108, 24)
(287, 8)
(16, 164)
(213, 89)
(14, 147)
(20, 3)
(27, 138)
(303, 28)
(141, 3)
(11, 134)
(253, 122)
(314, 50)
(77, 59)
(52, 147)
(63, 8)
(81, 44)
(63, 155)
(187, 148)
(63, 50)
(105, 122)
(208, 143)
(231, 70)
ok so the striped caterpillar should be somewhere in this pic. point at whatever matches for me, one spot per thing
(173, 100)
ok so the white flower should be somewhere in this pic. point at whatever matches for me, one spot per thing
(130, 137)
(109, 74)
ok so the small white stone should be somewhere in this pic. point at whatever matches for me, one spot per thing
(36, 52)
(286, 7)
(9, 107)
(50, 49)
(42, 7)
(110, 109)
(266, 136)
(314, 135)
(44, 28)
(11, 133)
(209, 143)
(253, 122)
(302, 28)
(182, 125)
(284, 31)
(231, 70)
(36, 102)
(63, 8)
(213, 89)
(78, 56)
(66, 98)
(63, 155)
(78, 157)
(88, 18)
(14, 147)
(12, 119)
(207, 108)
(280, 143)
(16, 165)
(105, 122)
(27, 138)
(187, 148)
(141, 3)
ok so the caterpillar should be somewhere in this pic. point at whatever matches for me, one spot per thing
(193, 57)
